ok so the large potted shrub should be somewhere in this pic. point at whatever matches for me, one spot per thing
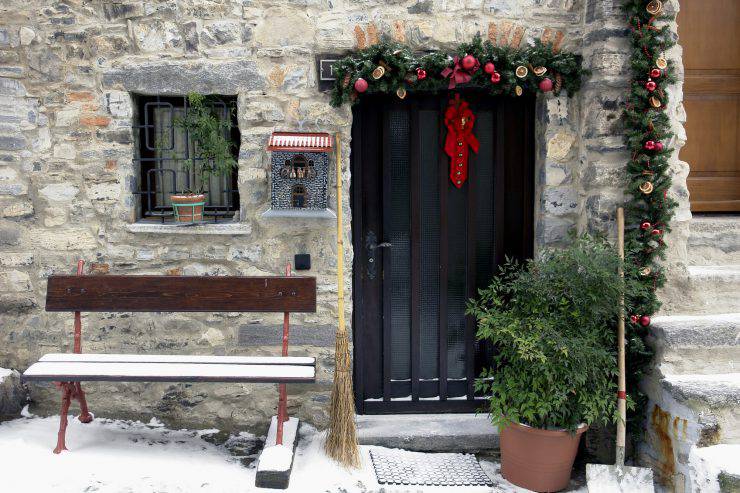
(554, 370)
(213, 155)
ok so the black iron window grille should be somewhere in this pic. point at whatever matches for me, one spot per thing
(165, 149)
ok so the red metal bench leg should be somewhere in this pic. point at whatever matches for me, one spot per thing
(282, 414)
(79, 394)
(67, 390)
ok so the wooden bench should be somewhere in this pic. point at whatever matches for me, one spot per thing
(112, 293)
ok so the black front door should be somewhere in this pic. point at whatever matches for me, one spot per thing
(422, 247)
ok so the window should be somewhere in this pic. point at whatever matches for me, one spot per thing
(165, 149)
(298, 196)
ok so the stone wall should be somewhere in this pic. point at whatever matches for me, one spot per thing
(67, 69)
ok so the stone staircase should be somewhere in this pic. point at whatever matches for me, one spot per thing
(693, 428)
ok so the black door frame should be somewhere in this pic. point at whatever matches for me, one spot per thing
(514, 194)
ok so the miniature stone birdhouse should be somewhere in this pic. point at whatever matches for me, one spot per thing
(300, 172)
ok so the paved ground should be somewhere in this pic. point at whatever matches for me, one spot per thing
(132, 457)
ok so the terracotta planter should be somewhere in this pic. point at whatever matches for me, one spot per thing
(536, 459)
(188, 207)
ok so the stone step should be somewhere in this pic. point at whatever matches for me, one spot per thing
(471, 433)
(688, 413)
(717, 468)
(696, 344)
(713, 289)
(714, 240)
(713, 399)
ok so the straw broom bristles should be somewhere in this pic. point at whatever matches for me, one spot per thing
(341, 441)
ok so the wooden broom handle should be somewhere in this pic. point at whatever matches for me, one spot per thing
(622, 386)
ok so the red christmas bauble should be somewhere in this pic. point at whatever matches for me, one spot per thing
(645, 226)
(546, 85)
(360, 85)
(468, 62)
(421, 74)
(644, 320)
(651, 85)
(658, 146)
(495, 77)
(489, 68)
(650, 145)
(633, 319)
(656, 232)
(655, 73)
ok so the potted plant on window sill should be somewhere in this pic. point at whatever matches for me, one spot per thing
(554, 372)
(213, 155)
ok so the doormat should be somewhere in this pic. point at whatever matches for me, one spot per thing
(401, 467)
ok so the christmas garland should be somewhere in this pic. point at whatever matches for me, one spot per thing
(392, 68)
(648, 212)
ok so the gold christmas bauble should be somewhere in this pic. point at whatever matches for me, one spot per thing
(654, 7)
(518, 90)
(647, 188)
(378, 72)
(521, 71)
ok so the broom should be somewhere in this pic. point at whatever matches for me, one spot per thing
(341, 441)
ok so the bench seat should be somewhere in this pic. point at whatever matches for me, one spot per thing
(171, 368)
(178, 358)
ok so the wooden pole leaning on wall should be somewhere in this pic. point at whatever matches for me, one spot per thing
(341, 441)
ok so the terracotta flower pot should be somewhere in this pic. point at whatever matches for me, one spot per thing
(536, 459)
(188, 207)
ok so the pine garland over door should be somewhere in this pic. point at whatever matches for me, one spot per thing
(392, 68)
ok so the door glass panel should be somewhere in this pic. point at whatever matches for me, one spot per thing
(484, 218)
(398, 234)
(429, 249)
(457, 232)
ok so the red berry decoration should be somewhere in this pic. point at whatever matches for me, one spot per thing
(650, 145)
(656, 232)
(489, 68)
(546, 85)
(633, 319)
(651, 85)
(360, 85)
(468, 62)
(495, 77)
(645, 226)
(658, 146)
(655, 73)
(421, 74)
(644, 320)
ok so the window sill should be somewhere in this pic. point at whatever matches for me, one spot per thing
(299, 213)
(233, 229)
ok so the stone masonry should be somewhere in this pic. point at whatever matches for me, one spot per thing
(67, 69)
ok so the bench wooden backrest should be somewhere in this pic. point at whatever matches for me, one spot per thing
(108, 293)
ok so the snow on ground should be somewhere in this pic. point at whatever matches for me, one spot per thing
(113, 456)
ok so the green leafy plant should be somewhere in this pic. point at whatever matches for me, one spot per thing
(209, 132)
(552, 321)
(403, 64)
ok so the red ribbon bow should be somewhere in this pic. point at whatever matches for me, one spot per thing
(459, 120)
(457, 74)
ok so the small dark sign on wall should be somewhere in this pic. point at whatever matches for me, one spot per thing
(325, 70)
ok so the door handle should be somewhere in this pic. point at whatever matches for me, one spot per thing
(385, 244)
(371, 245)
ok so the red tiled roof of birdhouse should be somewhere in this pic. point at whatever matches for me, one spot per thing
(297, 141)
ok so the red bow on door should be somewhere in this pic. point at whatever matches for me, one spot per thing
(459, 120)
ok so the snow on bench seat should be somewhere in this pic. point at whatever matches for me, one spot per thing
(76, 371)
(178, 358)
